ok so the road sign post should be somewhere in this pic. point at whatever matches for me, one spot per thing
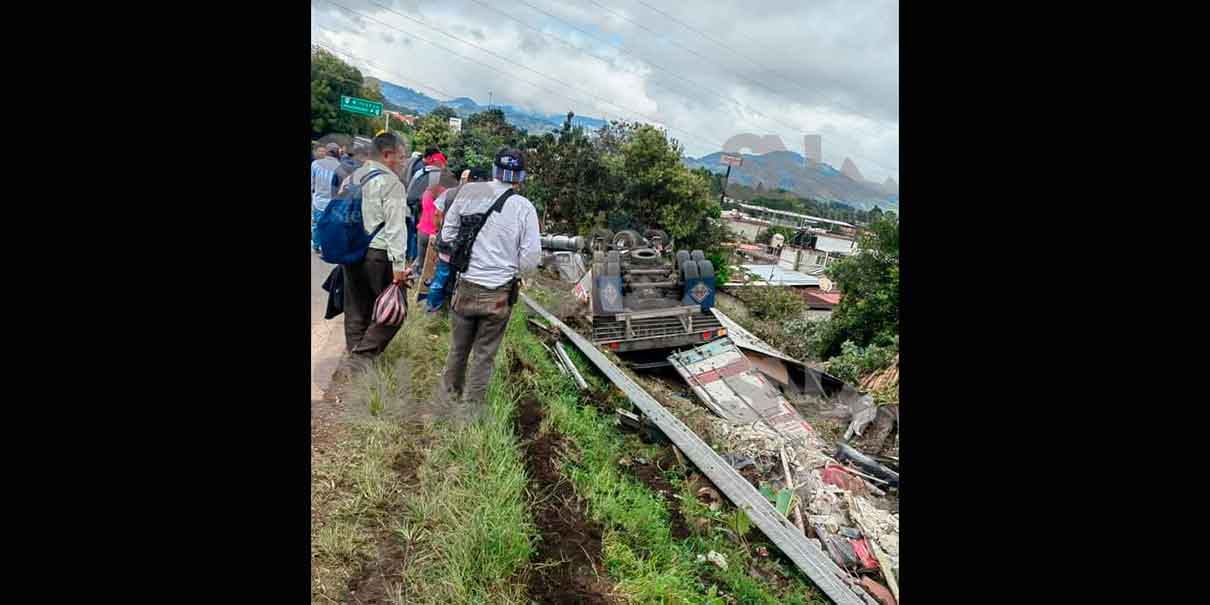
(729, 160)
(364, 107)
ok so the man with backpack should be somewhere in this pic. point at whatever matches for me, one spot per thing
(492, 235)
(324, 184)
(384, 213)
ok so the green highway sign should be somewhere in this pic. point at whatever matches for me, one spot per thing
(364, 107)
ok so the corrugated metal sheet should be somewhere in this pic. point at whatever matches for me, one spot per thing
(824, 243)
(725, 380)
(781, 276)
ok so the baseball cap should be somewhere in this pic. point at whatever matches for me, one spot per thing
(509, 166)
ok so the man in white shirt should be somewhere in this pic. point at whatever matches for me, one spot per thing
(506, 248)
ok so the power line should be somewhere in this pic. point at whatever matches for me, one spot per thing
(578, 49)
(758, 64)
(514, 63)
(401, 78)
(699, 87)
(704, 58)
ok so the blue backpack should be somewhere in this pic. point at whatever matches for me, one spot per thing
(342, 236)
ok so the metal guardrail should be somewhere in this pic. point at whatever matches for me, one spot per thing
(815, 563)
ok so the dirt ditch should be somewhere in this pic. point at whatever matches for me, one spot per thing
(568, 565)
(651, 474)
(378, 579)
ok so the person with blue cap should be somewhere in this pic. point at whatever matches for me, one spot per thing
(491, 232)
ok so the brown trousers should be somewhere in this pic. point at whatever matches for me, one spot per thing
(478, 316)
(364, 282)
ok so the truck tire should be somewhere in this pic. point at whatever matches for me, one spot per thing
(689, 271)
(705, 268)
(644, 254)
(627, 239)
(651, 234)
(697, 255)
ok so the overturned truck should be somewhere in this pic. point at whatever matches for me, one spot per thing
(642, 293)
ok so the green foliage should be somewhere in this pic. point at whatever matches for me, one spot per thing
(854, 362)
(772, 303)
(721, 259)
(434, 130)
(331, 78)
(869, 282)
(569, 179)
(483, 134)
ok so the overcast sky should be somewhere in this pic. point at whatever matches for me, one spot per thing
(784, 67)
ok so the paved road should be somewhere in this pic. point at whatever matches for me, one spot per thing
(327, 335)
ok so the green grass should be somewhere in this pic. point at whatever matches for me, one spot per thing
(457, 527)
(646, 562)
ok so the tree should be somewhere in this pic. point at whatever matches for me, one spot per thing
(330, 79)
(434, 130)
(660, 192)
(868, 312)
(483, 134)
(571, 183)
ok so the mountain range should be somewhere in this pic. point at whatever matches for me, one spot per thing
(406, 99)
(817, 180)
(784, 169)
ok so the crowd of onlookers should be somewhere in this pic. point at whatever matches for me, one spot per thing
(467, 239)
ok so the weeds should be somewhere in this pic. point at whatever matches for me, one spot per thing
(641, 555)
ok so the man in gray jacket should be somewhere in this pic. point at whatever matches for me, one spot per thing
(506, 247)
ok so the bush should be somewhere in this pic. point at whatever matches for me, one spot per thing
(854, 361)
(773, 303)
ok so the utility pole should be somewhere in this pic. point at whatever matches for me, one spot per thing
(489, 99)
(723, 195)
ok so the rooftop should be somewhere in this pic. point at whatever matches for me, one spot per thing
(779, 276)
(796, 215)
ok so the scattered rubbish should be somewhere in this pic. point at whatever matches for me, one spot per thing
(846, 452)
(850, 532)
(831, 579)
(785, 466)
(624, 461)
(739, 462)
(571, 367)
(879, 592)
(728, 384)
(761, 551)
(629, 420)
(838, 548)
(718, 559)
(640, 461)
(711, 496)
(841, 477)
(864, 411)
(558, 360)
(861, 547)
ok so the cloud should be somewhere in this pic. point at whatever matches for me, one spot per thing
(781, 67)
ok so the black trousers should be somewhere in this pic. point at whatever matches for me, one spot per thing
(364, 282)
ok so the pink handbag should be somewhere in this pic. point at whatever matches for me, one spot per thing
(391, 307)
